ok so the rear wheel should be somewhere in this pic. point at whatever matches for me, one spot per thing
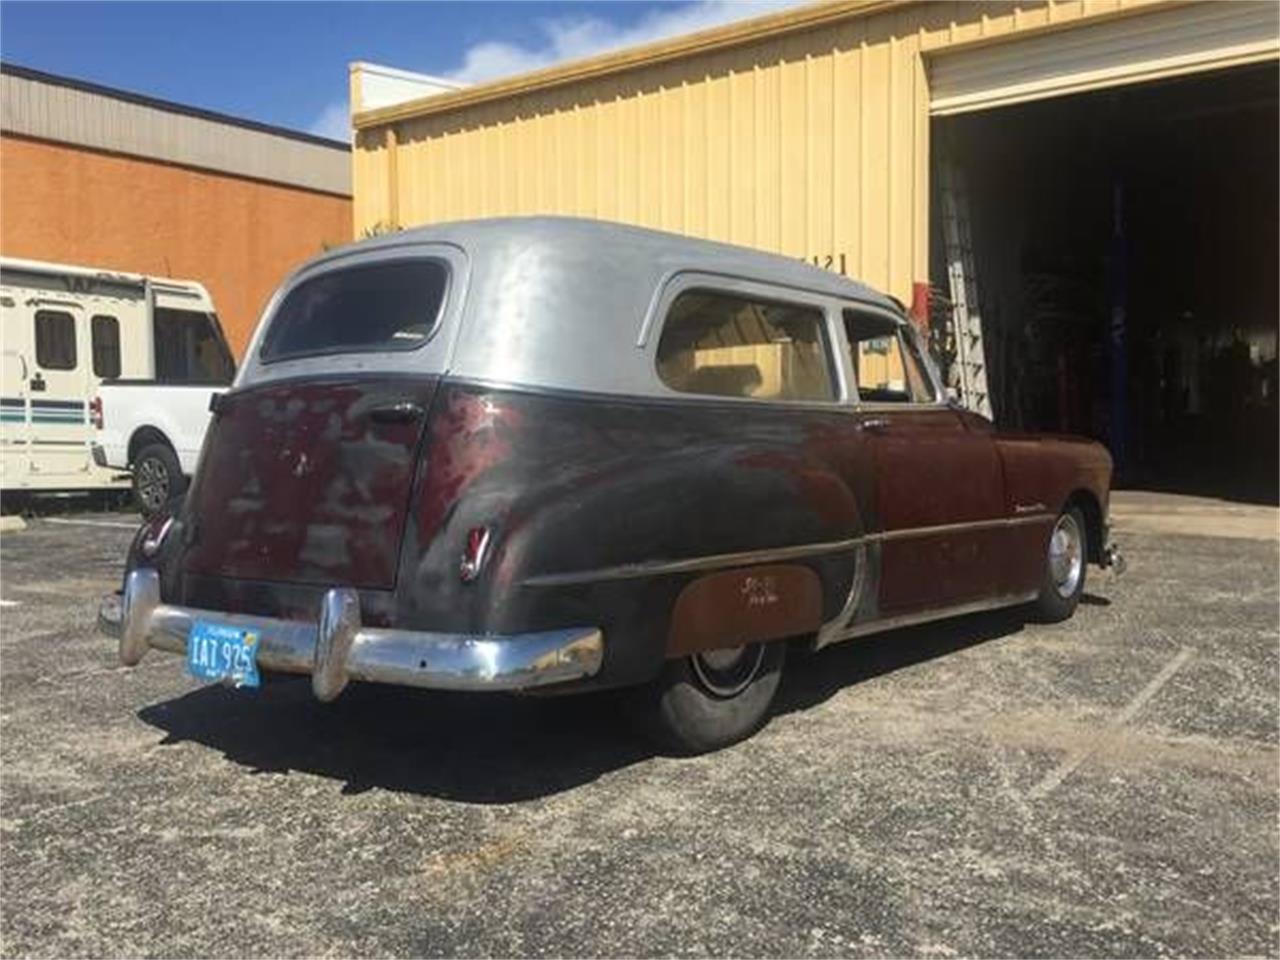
(1064, 568)
(711, 699)
(157, 478)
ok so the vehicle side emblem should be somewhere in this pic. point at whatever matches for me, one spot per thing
(759, 591)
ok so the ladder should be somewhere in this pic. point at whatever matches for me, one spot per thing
(966, 316)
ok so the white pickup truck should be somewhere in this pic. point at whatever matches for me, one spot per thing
(155, 432)
(154, 427)
(103, 373)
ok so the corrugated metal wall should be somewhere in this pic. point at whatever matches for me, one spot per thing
(812, 144)
(68, 114)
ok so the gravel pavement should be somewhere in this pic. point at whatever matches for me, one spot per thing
(985, 786)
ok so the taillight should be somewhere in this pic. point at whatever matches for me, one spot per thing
(95, 412)
(474, 556)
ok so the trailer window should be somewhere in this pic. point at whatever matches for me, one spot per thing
(371, 308)
(105, 332)
(55, 340)
(189, 349)
(731, 346)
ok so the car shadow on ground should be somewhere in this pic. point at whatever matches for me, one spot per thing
(497, 748)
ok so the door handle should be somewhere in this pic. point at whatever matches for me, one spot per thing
(875, 424)
(405, 411)
(37, 383)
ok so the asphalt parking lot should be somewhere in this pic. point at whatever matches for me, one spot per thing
(982, 787)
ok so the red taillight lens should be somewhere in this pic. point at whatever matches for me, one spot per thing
(95, 412)
(474, 556)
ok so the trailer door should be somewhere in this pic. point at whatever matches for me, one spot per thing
(57, 394)
(15, 414)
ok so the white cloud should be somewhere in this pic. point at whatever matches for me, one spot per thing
(332, 122)
(574, 37)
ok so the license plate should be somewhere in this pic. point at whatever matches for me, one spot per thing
(218, 653)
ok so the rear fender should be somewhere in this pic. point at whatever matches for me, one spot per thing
(588, 503)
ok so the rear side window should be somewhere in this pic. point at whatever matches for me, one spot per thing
(732, 346)
(105, 333)
(189, 349)
(372, 308)
(55, 340)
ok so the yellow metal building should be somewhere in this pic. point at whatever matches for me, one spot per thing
(805, 133)
(1118, 157)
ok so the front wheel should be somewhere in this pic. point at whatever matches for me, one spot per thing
(157, 478)
(709, 700)
(1064, 568)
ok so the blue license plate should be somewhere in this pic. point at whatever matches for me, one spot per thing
(220, 653)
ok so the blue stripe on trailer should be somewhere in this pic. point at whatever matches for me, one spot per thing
(57, 404)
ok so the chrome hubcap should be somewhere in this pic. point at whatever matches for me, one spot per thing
(1066, 555)
(728, 672)
(153, 483)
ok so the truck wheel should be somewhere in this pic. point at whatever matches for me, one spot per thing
(157, 478)
(1064, 568)
(709, 700)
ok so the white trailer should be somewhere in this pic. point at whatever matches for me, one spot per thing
(65, 330)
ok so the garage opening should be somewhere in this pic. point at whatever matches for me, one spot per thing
(1124, 244)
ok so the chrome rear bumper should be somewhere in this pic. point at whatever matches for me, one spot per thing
(339, 648)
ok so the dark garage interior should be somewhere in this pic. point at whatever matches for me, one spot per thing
(1125, 249)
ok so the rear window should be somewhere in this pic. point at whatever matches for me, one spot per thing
(189, 349)
(105, 332)
(382, 306)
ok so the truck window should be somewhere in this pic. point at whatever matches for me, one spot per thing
(55, 340)
(189, 350)
(375, 307)
(105, 332)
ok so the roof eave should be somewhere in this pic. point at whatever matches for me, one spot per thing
(717, 38)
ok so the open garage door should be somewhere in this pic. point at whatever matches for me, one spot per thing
(1122, 50)
(1125, 244)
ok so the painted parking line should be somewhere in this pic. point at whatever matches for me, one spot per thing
(113, 524)
(10, 603)
(1073, 760)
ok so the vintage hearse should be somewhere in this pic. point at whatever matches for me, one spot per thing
(561, 454)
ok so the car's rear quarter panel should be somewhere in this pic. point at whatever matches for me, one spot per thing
(577, 484)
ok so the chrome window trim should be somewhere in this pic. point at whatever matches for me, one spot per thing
(685, 281)
(930, 370)
(672, 399)
(436, 320)
(433, 356)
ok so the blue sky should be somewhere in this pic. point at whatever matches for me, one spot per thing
(286, 62)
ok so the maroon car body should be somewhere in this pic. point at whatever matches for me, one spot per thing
(568, 455)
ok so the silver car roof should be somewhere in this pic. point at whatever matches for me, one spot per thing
(556, 302)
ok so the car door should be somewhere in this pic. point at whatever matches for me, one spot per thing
(939, 495)
(57, 393)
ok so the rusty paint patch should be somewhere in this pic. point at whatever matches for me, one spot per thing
(747, 605)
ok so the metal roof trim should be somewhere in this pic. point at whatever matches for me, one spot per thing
(619, 61)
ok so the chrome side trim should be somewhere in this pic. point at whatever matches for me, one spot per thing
(654, 568)
(913, 532)
(339, 648)
(830, 630)
(713, 561)
(882, 624)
